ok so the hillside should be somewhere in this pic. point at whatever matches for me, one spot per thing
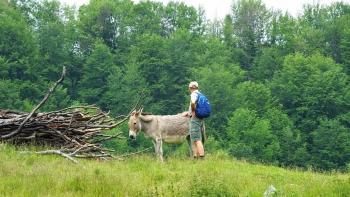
(278, 84)
(24, 174)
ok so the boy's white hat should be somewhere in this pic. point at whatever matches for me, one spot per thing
(193, 84)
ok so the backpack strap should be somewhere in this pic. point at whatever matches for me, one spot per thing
(198, 94)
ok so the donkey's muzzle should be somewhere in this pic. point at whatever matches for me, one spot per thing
(132, 137)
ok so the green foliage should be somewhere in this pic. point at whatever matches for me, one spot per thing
(252, 136)
(154, 69)
(266, 64)
(119, 96)
(288, 137)
(253, 96)
(282, 34)
(8, 90)
(148, 17)
(345, 45)
(310, 88)
(258, 120)
(17, 48)
(182, 57)
(95, 74)
(180, 16)
(106, 20)
(250, 18)
(331, 145)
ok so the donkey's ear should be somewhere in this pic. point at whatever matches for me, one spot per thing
(138, 112)
(133, 112)
(146, 118)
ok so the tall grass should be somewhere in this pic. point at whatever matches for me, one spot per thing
(218, 175)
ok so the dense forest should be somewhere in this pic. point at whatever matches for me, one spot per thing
(278, 84)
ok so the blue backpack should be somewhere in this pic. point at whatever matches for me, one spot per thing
(203, 108)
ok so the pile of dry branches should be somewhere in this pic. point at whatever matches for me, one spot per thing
(74, 131)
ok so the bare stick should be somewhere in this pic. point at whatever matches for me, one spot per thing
(58, 152)
(126, 117)
(109, 137)
(37, 107)
(134, 153)
(68, 108)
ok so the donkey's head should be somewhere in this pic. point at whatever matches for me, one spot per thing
(134, 124)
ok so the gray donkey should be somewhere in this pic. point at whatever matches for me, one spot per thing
(168, 128)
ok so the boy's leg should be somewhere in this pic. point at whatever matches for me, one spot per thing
(194, 150)
(200, 148)
(196, 137)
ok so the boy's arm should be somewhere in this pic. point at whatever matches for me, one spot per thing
(194, 97)
(193, 108)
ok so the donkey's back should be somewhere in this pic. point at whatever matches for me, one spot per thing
(173, 128)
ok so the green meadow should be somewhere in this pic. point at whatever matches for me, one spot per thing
(27, 174)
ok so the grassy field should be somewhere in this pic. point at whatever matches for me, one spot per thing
(36, 175)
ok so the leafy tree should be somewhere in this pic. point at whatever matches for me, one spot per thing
(322, 29)
(228, 35)
(310, 88)
(345, 45)
(213, 51)
(182, 50)
(231, 41)
(107, 20)
(150, 54)
(120, 97)
(250, 20)
(51, 42)
(258, 99)
(331, 145)
(96, 70)
(282, 33)
(10, 95)
(253, 96)
(180, 16)
(288, 137)
(148, 18)
(266, 64)
(17, 48)
(252, 136)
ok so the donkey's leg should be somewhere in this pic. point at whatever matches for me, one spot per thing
(160, 149)
(204, 136)
(155, 147)
(188, 138)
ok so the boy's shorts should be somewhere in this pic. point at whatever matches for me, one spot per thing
(196, 126)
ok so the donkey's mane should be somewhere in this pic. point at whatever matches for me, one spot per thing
(149, 113)
(146, 113)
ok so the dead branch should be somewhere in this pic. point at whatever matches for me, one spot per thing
(37, 107)
(58, 152)
(134, 153)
